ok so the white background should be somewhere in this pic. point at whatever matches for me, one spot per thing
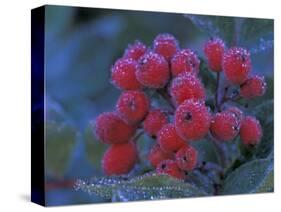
(15, 104)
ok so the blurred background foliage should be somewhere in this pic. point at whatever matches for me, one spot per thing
(82, 45)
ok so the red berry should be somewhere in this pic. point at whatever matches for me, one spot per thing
(169, 140)
(236, 65)
(123, 74)
(192, 120)
(214, 50)
(237, 112)
(250, 131)
(154, 121)
(157, 155)
(165, 45)
(186, 86)
(253, 87)
(119, 159)
(153, 71)
(111, 129)
(135, 50)
(225, 126)
(132, 106)
(185, 61)
(170, 168)
(186, 158)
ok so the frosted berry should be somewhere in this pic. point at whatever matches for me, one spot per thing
(170, 168)
(253, 87)
(156, 155)
(154, 70)
(165, 45)
(132, 106)
(250, 131)
(214, 49)
(237, 112)
(236, 65)
(119, 159)
(135, 50)
(225, 126)
(169, 140)
(185, 61)
(123, 74)
(186, 158)
(192, 120)
(186, 86)
(111, 129)
(154, 121)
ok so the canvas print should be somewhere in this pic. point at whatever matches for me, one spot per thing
(137, 105)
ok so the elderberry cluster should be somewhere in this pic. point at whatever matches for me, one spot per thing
(173, 73)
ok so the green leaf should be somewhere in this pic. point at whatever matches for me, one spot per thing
(148, 186)
(256, 33)
(94, 148)
(267, 143)
(264, 113)
(60, 140)
(57, 22)
(128, 193)
(205, 150)
(253, 177)
(214, 26)
(202, 180)
(144, 145)
(254, 28)
(154, 180)
(102, 187)
(208, 78)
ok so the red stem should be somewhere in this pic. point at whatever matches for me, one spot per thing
(59, 184)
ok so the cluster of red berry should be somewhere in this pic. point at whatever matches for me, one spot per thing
(174, 72)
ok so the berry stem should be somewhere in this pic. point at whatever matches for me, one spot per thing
(224, 95)
(219, 147)
(225, 98)
(138, 136)
(234, 97)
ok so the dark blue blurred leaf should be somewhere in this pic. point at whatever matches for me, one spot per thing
(83, 57)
